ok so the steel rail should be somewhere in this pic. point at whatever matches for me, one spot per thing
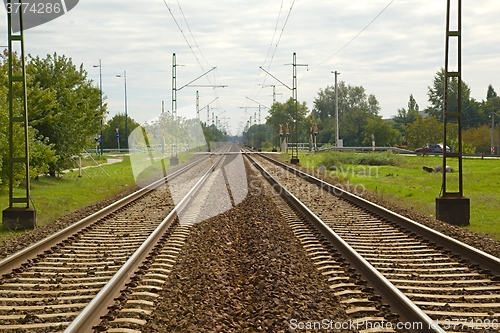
(408, 310)
(483, 259)
(90, 315)
(30, 252)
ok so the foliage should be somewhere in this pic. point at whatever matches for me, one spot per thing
(333, 159)
(491, 92)
(42, 155)
(326, 130)
(405, 117)
(480, 138)
(213, 135)
(257, 136)
(324, 104)
(383, 131)
(283, 113)
(355, 108)
(109, 131)
(424, 131)
(42, 152)
(472, 116)
(70, 115)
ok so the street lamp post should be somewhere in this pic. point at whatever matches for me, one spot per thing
(100, 97)
(126, 115)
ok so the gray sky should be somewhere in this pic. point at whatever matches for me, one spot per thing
(398, 54)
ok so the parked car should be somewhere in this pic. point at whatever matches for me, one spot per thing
(432, 148)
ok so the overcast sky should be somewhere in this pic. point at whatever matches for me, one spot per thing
(398, 54)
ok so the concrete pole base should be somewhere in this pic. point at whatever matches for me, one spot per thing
(454, 210)
(174, 161)
(15, 218)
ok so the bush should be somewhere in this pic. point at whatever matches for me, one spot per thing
(376, 158)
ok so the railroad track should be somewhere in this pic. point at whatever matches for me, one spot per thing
(434, 283)
(210, 197)
(46, 286)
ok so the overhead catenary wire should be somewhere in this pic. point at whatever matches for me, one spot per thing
(189, 44)
(275, 46)
(359, 33)
(349, 42)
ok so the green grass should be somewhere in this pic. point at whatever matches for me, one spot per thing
(56, 197)
(406, 184)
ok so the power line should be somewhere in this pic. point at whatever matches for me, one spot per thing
(343, 47)
(192, 36)
(274, 34)
(187, 41)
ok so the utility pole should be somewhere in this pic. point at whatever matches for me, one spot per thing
(452, 206)
(18, 217)
(126, 112)
(175, 160)
(295, 157)
(336, 110)
(492, 134)
(197, 105)
(100, 97)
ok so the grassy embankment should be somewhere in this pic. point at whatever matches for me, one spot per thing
(400, 179)
(56, 197)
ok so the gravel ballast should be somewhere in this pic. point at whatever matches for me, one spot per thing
(244, 271)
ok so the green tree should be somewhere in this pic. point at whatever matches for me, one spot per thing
(109, 131)
(324, 103)
(73, 118)
(471, 115)
(480, 138)
(326, 130)
(42, 152)
(383, 131)
(491, 92)
(406, 116)
(213, 136)
(282, 113)
(424, 131)
(355, 108)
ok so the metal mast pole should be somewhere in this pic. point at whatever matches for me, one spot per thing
(337, 138)
(295, 158)
(452, 206)
(126, 111)
(18, 217)
(173, 159)
(197, 105)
